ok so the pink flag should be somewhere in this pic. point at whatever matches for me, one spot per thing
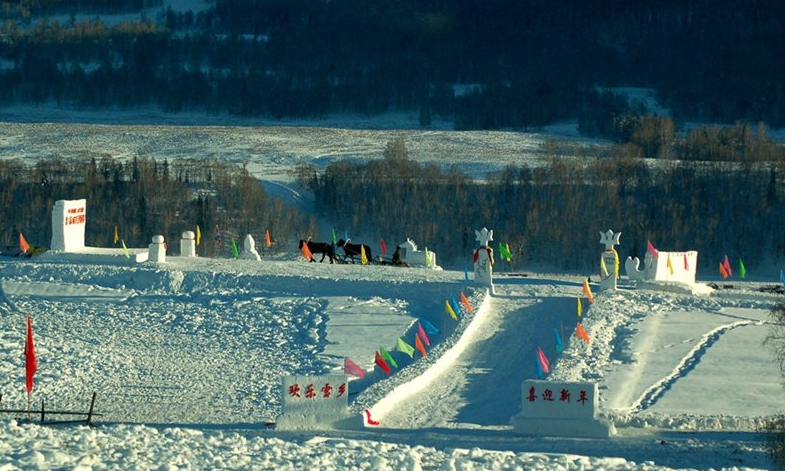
(650, 248)
(544, 364)
(424, 337)
(727, 266)
(351, 368)
(31, 364)
(686, 263)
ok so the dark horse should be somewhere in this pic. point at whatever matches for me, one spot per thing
(319, 247)
(350, 250)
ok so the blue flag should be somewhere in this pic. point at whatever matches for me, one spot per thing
(559, 345)
(540, 374)
(429, 328)
(782, 277)
(455, 306)
(465, 272)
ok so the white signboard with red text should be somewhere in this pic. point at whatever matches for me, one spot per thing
(68, 225)
(566, 409)
(313, 402)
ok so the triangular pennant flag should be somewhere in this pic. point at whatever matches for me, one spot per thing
(587, 291)
(507, 246)
(723, 272)
(31, 364)
(384, 247)
(538, 366)
(448, 309)
(404, 347)
(650, 248)
(235, 252)
(307, 252)
(335, 240)
(387, 357)
(352, 368)
(23, 245)
(580, 332)
(421, 333)
(430, 328)
(268, 242)
(455, 306)
(504, 252)
(419, 346)
(363, 257)
(116, 238)
(580, 307)
(742, 270)
(382, 364)
(686, 263)
(198, 235)
(559, 344)
(603, 267)
(727, 266)
(125, 249)
(543, 360)
(669, 264)
(465, 301)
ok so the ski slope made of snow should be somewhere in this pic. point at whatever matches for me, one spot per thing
(187, 357)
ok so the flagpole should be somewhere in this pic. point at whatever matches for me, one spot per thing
(29, 415)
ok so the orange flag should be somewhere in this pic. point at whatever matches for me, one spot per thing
(267, 241)
(23, 245)
(116, 236)
(419, 346)
(465, 301)
(723, 271)
(580, 332)
(587, 290)
(307, 252)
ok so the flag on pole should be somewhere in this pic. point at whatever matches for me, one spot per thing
(430, 328)
(125, 249)
(384, 247)
(465, 301)
(307, 252)
(587, 290)
(686, 263)
(335, 240)
(455, 306)
(650, 248)
(363, 257)
(448, 309)
(198, 235)
(723, 272)
(352, 368)
(421, 333)
(387, 357)
(670, 265)
(419, 346)
(580, 332)
(504, 252)
(580, 306)
(381, 363)
(742, 270)
(559, 344)
(465, 272)
(235, 252)
(31, 364)
(268, 242)
(116, 236)
(543, 360)
(603, 267)
(727, 266)
(23, 245)
(404, 347)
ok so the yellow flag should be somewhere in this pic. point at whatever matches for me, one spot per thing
(363, 257)
(125, 250)
(448, 310)
(603, 266)
(580, 307)
(587, 290)
(116, 237)
(427, 258)
(198, 235)
(670, 265)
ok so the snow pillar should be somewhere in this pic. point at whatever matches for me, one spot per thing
(483, 260)
(68, 224)
(157, 250)
(609, 260)
(249, 249)
(188, 244)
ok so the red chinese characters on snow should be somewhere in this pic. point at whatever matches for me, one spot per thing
(547, 395)
(75, 216)
(316, 391)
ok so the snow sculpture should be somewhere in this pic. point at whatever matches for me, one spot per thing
(561, 409)
(188, 244)
(157, 250)
(68, 225)
(417, 258)
(609, 260)
(249, 249)
(483, 260)
(668, 267)
(313, 402)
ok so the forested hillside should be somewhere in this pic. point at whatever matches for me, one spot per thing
(479, 63)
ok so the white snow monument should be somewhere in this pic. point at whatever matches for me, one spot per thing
(188, 244)
(667, 267)
(483, 260)
(609, 260)
(157, 250)
(249, 249)
(68, 224)
(413, 257)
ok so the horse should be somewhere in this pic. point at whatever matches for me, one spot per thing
(319, 247)
(350, 250)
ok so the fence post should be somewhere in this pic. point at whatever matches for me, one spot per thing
(90, 412)
(42, 411)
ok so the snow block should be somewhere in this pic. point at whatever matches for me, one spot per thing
(68, 225)
(561, 409)
(417, 258)
(314, 402)
(682, 269)
(188, 244)
(157, 250)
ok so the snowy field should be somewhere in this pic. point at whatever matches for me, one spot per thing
(187, 357)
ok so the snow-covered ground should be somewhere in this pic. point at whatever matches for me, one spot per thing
(187, 359)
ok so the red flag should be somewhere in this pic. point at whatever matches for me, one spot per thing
(31, 365)
(650, 248)
(544, 364)
(723, 272)
(686, 263)
(382, 364)
(580, 332)
(384, 247)
(419, 346)
(465, 301)
(421, 331)
(23, 245)
(352, 368)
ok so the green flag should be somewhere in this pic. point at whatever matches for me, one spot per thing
(125, 250)
(334, 239)
(742, 270)
(427, 258)
(235, 253)
(386, 355)
(404, 347)
(505, 252)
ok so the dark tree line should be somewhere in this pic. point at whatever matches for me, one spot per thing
(551, 214)
(479, 63)
(144, 197)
